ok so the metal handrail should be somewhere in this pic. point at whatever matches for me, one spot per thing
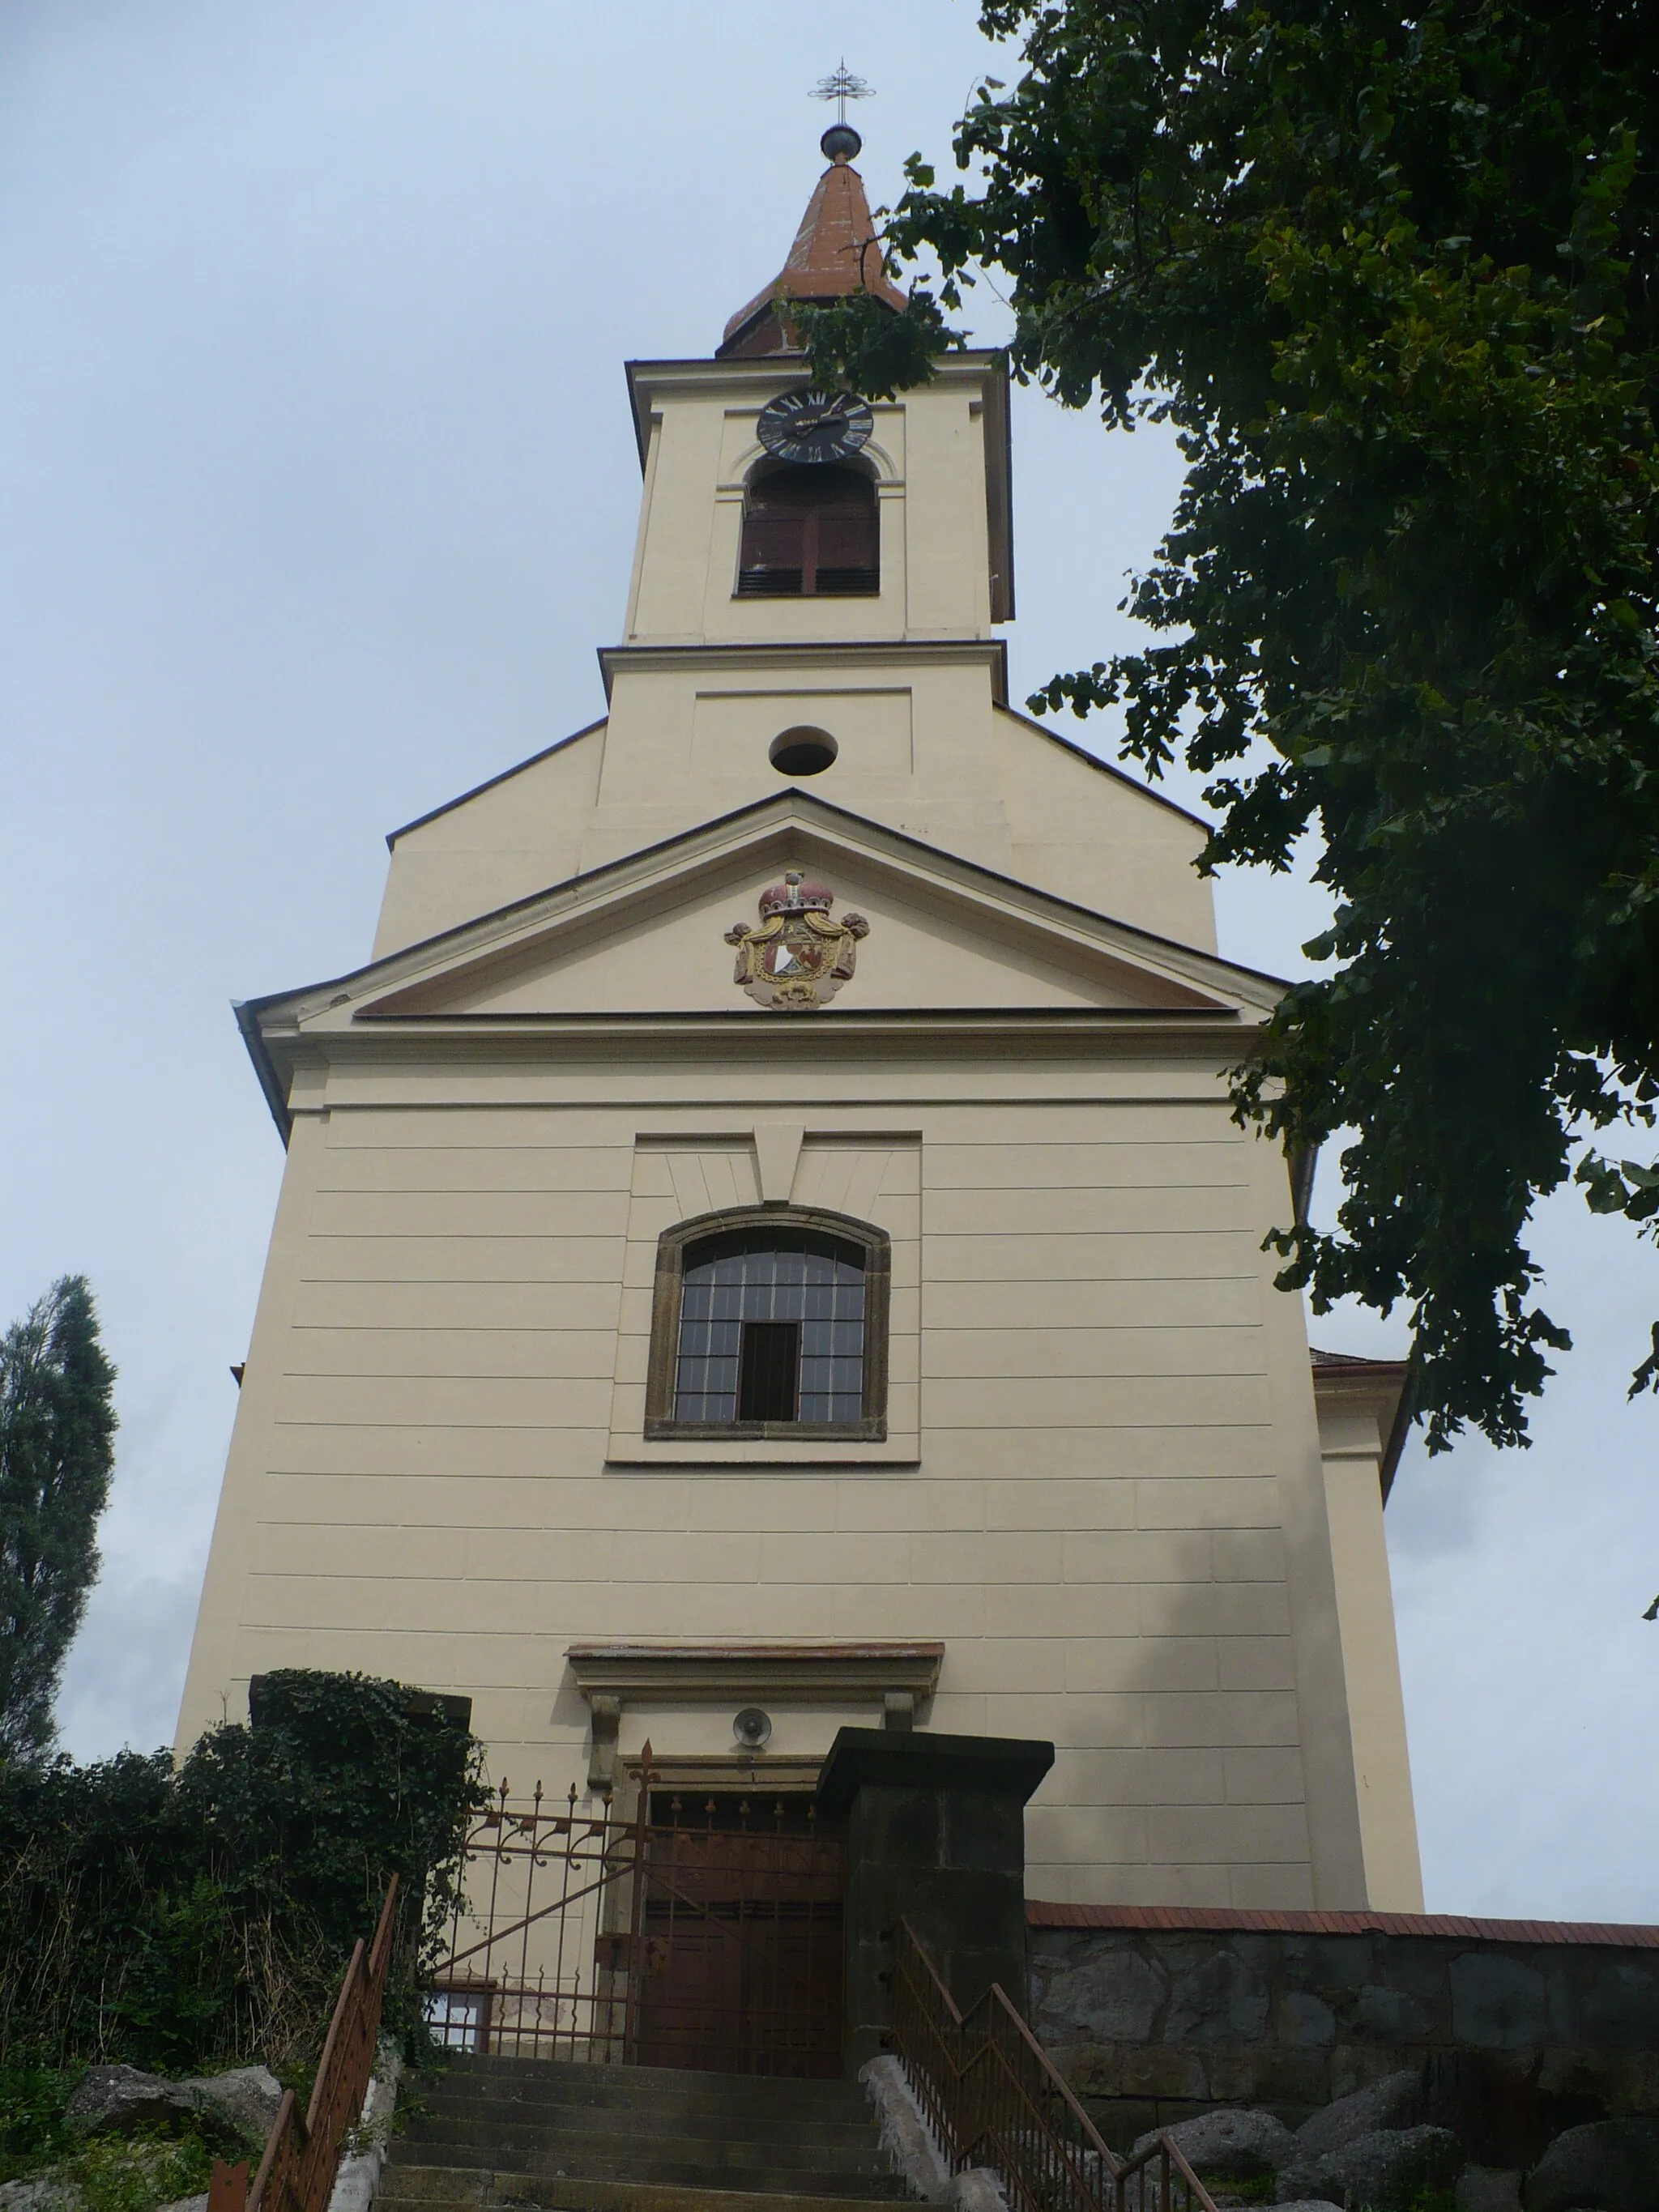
(994, 2097)
(296, 2173)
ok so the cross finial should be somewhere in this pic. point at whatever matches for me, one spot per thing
(841, 86)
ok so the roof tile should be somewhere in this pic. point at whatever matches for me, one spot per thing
(835, 253)
(1273, 1921)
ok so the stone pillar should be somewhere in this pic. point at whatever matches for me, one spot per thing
(936, 1835)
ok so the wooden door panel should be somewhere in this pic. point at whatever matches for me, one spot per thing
(743, 1952)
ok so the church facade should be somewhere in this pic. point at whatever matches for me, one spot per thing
(763, 1245)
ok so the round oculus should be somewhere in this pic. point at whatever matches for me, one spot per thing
(802, 751)
(815, 426)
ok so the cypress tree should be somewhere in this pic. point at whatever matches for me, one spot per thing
(57, 1451)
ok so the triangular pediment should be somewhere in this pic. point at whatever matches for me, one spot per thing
(648, 935)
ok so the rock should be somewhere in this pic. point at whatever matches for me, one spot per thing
(1155, 2071)
(978, 2189)
(41, 2192)
(1607, 2165)
(1383, 2170)
(187, 2204)
(1621, 2006)
(247, 2096)
(1494, 2103)
(117, 2100)
(1219, 2000)
(908, 2143)
(1498, 2003)
(1389, 2016)
(114, 2100)
(1228, 2146)
(1308, 2019)
(1489, 2189)
(1113, 1999)
(1395, 2102)
(358, 2176)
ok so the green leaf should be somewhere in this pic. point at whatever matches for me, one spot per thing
(1389, 275)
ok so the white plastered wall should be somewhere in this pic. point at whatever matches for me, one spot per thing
(923, 750)
(905, 682)
(1352, 1446)
(1101, 1520)
(1109, 1503)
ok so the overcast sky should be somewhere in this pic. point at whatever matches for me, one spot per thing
(317, 495)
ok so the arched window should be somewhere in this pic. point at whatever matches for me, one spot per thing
(769, 1324)
(810, 532)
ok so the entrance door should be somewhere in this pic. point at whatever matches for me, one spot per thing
(742, 1924)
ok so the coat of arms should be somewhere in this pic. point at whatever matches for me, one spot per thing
(797, 958)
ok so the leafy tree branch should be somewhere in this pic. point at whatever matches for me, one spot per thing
(1390, 275)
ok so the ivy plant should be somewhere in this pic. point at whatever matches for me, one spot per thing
(181, 1918)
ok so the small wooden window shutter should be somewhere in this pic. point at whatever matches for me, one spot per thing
(811, 532)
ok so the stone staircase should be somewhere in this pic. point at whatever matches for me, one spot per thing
(522, 2131)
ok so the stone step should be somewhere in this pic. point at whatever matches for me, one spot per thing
(541, 2081)
(499, 2132)
(742, 2094)
(531, 2129)
(624, 2158)
(612, 2151)
(437, 2188)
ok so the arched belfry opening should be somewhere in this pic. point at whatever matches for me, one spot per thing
(810, 532)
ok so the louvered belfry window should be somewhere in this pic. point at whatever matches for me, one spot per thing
(771, 1328)
(811, 532)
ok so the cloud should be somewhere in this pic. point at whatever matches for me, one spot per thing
(125, 1672)
(1520, 1580)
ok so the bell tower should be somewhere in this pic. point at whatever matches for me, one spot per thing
(773, 514)
(818, 578)
(817, 590)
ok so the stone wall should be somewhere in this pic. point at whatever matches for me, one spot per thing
(1522, 2027)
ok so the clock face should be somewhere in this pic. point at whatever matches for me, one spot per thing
(815, 426)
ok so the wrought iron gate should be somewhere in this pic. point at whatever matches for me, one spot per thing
(742, 1932)
(705, 1932)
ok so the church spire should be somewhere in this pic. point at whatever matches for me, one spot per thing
(835, 253)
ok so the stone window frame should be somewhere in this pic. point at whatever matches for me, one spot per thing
(663, 1359)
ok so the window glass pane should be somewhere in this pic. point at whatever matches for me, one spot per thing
(771, 1329)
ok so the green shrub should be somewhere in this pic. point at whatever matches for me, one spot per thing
(184, 1919)
(33, 2133)
(115, 2175)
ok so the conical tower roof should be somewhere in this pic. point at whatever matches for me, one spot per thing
(835, 253)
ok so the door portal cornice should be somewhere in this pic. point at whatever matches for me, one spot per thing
(892, 1676)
